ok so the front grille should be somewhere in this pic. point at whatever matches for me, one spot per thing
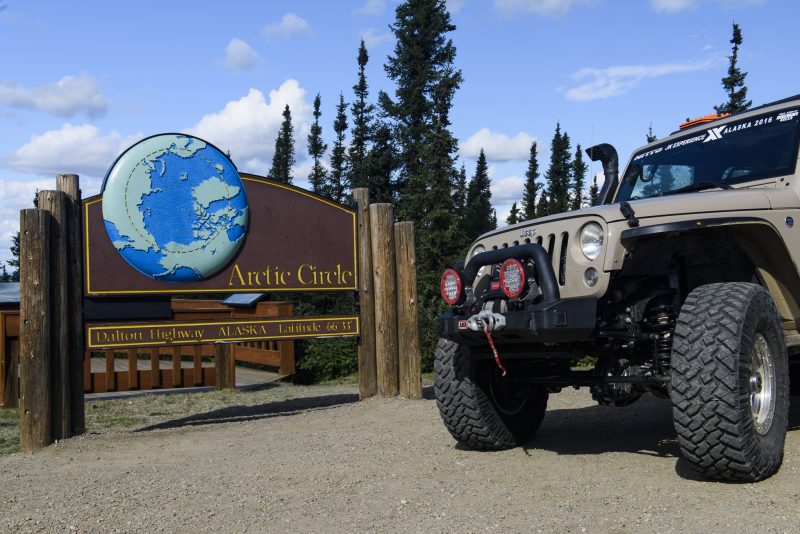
(552, 243)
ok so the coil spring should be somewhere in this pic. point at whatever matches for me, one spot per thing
(662, 321)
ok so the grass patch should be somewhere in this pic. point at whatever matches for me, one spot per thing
(9, 431)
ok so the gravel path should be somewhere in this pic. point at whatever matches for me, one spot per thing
(328, 464)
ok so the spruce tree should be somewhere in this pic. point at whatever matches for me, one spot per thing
(579, 169)
(283, 159)
(361, 112)
(426, 79)
(543, 205)
(531, 186)
(479, 215)
(513, 215)
(594, 191)
(337, 186)
(558, 173)
(651, 137)
(316, 149)
(5, 277)
(381, 163)
(733, 83)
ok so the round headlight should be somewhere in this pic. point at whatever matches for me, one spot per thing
(592, 240)
(477, 250)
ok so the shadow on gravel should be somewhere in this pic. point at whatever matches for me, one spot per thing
(261, 411)
(642, 428)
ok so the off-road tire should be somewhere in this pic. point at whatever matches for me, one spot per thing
(721, 330)
(467, 405)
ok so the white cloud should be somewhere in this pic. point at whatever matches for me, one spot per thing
(372, 7)
(65, 98)
(551, 8)
(454, 6)
(497, 146)
(675, 6)
(248, 126)
(619, 80)
(18, 195)
(79, 149)
(508, 190)
(239, 56)
(290, 27)
(373, 38)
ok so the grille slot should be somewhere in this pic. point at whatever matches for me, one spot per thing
(562, 260)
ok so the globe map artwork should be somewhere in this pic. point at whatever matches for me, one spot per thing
(175, 208)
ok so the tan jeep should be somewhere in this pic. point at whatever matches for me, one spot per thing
(682, 282)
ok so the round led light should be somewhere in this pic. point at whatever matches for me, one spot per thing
(591, 276)
(591, 240)
(512, 278)
(451, 287)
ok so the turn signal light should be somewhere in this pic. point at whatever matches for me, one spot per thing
(452, 287)
(512, 278)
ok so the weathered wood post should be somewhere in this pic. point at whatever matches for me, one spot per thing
(410, 358)
(384, 279)
(367, 375)
(224, 363)
(34, 296)
(55, 202)
(69, 184)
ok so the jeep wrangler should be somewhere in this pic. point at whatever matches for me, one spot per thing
(682, 281)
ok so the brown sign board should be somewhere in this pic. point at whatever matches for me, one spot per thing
(296, 241)
(125, 335)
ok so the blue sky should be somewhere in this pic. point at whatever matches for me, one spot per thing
(82, 81)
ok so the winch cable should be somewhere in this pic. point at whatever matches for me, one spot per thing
(486, 331)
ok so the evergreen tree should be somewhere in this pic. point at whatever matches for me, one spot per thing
(382, 161)
(531, 186)
(316, 149)
(558, 173)
(650, 135)
(14, 262)
(362, 125)
(337, 182)
(543, 205)
(5, 277)
(594, 191)
(460, 194)
(733, 83)
(579, 169)
(513, 216)
(283, 159)
(480, 216)
(422, 68)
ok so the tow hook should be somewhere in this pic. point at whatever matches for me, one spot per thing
(484, 319)
(489, 322)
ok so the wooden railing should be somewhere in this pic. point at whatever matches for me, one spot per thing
(177, 366)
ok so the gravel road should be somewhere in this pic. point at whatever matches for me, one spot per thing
(329, 464)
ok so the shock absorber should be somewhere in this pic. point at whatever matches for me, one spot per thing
(662, 322)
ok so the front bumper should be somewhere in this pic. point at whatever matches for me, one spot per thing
(552, 320)
(559, 321)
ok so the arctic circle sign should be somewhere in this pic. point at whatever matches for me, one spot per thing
(175, 216)
(175, 208)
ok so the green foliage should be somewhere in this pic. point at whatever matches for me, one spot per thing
(382, 161)
(362, 126)
(594, 192)
(336, 186)
(513, 216)
(531, 186)
(283, 159)
(558, 174)
(422, 67)
(579, 169)
(479, 215)
(733, 83)
(651, 137)
(325, 359)
(316, 149)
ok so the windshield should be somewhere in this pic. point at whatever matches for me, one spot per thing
(764, 146)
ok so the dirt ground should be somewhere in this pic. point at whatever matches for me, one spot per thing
(330, 464)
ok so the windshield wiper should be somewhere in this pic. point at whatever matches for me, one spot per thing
(699, 186)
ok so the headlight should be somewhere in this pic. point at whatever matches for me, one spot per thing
(477, 250)
(592, 240)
